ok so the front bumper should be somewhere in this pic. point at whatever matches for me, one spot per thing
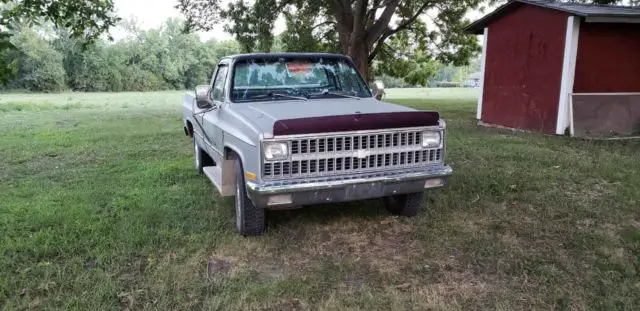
(351, 188)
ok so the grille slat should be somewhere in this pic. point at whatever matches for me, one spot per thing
(340, 154)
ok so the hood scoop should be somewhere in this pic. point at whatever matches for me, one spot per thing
(355, 122)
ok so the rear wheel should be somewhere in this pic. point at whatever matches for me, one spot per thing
(408, 205)
(250, 220)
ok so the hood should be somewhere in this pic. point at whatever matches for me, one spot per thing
(265, 114)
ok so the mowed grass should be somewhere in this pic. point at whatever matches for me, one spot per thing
(101, 209)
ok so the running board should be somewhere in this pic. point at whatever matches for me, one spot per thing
(214, 173)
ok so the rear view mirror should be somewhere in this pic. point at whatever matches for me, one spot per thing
(203, 99)
(377, 88)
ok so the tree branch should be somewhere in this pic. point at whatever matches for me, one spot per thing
(329, 22)
(382, 23)
(378, 47)
(411, 19)
(390, 32)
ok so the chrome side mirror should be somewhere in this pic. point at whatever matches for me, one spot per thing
(203, 97)
(377, 88)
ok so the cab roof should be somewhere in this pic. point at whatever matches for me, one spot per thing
(284, 55)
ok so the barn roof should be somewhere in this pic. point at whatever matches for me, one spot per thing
(591, 12)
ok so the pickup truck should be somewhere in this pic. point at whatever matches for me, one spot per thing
(281, 131)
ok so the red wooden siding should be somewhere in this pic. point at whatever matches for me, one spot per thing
(608, 58)
(523, 69)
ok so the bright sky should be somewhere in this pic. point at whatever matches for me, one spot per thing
(152, 13)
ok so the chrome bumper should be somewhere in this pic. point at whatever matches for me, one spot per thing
(341, 188)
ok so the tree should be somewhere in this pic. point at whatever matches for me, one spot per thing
(39, 66)
(86, 19)
(361, 28)
(366, 30)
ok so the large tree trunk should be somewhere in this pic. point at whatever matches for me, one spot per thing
(359, 52)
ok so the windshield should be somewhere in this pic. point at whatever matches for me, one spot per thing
(296, 78)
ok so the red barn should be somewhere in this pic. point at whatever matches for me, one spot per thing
(539, 57)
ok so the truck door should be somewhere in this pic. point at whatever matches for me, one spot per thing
(212, 119)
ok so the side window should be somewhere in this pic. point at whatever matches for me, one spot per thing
(217, 91)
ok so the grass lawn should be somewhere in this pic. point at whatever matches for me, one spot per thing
(101, 209)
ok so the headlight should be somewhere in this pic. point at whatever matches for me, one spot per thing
(431, 139)
(276, 151)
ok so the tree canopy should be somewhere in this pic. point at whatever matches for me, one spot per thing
(396, 38)
(155, 59)
(399, 38)
(84, 19)
(366, 30)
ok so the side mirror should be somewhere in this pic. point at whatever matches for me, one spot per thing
(377, 88)
(203, 99)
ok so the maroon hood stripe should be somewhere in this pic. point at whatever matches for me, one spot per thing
(355, 122)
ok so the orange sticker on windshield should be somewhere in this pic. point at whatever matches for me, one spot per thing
(299, 68)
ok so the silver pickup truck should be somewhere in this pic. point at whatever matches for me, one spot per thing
(280, 131)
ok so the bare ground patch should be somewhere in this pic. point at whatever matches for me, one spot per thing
(384, 245)
(384, 257)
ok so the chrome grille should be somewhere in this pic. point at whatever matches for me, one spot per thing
(355, 142)
(350, 154)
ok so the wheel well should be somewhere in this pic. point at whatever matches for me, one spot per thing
(229, 167)
(229, 154)
(188, 130)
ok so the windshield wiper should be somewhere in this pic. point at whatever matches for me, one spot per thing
(327, 92)
(271, 94)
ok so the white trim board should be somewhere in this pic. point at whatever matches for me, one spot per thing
(483, 64)
(568, 74)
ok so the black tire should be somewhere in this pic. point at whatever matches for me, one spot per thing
(408, 205)
(200, 157)
(250, 220)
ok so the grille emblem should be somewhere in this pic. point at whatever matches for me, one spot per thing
(361, 154)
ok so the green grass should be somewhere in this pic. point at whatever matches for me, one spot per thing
(101, 209)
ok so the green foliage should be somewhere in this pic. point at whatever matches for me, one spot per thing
(309, 29)
(8, 66)
(84, 19)
(163, 58)
(452, 76)
(392, 82)
(411, 35)
(299, 35)
(252, 24)
(362, 29)
(406, 56)
(39, 66)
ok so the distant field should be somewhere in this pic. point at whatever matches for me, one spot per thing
(101, 209)
(460, 94)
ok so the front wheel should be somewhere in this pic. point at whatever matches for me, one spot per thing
(250, 220)
(408, 205)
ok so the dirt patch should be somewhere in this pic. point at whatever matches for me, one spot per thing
(218, 269)
(589, 191)
(385, 245)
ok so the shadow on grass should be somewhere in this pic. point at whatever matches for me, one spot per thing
(325, 213)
